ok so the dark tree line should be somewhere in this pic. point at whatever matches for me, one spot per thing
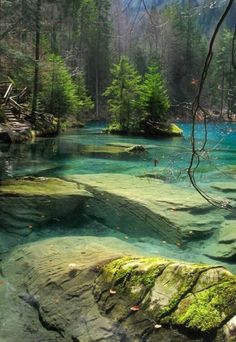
(88, 36)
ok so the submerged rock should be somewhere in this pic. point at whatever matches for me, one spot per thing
(30, 203)
(144, 207)
(136, 149)
(137, 207)
(131, 298)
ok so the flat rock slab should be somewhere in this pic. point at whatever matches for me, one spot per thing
(31, 203)
(222, 251)
(31, 186)
(128, 145)
(228, 232)
(229, 187)
(106, 149)
(146, 207)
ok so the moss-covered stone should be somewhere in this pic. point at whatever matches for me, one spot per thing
(208, 309)
(161, 130)
(200, 298)
(175, 130)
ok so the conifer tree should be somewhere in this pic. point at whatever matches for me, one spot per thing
(124, 94)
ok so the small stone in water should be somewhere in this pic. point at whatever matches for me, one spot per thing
(72, 265)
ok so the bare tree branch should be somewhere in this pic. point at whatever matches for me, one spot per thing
(196, 106)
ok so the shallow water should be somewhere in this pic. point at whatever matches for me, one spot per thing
(86, 151)
(83, 152)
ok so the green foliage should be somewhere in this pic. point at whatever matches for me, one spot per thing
(17, 66)
(208, 309)
(60, 95)
(221, 83)
(123, 94)
(95, 27)
(85, 103)
(131, 102)
(186, 51)
(154, 97)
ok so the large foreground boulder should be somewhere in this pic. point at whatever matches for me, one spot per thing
(84, 289)
(197, 299)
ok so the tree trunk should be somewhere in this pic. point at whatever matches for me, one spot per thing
(37, 56)
(97, 93)
(222, 92)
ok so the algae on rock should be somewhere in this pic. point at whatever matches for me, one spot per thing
(200, 298)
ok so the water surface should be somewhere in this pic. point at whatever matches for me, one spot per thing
(86, 151)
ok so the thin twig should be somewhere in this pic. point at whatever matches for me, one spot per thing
(195, 158)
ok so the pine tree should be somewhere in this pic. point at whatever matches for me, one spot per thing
(123, 94)
(154, 98)
(95, 44)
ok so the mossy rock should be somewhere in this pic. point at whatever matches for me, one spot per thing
(175, 130)
(161, 130)
(195, 297)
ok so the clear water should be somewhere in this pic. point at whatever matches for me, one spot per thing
(68, 154)
(86, 151)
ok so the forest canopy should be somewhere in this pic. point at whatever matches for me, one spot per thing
(70, 49)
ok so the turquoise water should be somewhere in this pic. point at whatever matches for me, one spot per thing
(68, 154)
(86, 151)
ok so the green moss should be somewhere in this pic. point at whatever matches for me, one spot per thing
(174, 129)
(198, 297)
(208, 309)
(183, 281)
(134, 276)
(103, 149)
(114, 271)
(114, 128)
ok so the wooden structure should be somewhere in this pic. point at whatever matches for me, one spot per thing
(14, 113)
